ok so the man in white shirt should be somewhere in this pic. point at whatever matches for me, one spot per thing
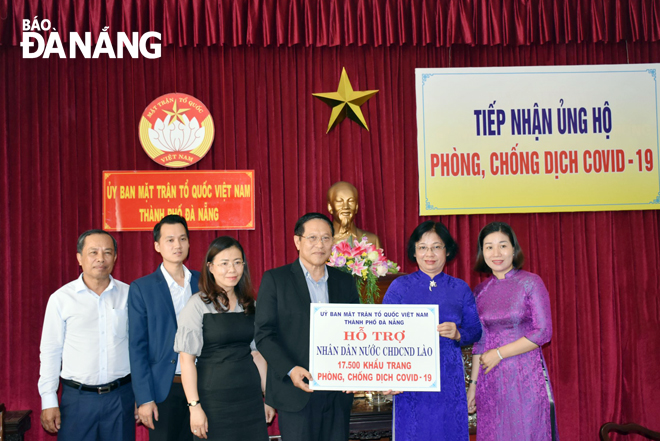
(154, 303)
(85, 342)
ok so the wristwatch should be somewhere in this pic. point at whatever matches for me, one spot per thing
(193, 403)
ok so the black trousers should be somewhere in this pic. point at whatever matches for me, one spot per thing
(173, 417)
(326, 417)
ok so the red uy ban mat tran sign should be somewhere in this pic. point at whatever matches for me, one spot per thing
(209, 200)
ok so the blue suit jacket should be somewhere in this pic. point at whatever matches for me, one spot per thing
(151, 330)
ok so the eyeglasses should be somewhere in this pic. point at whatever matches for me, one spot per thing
(226, 265)
(315, 239)
(435, 249)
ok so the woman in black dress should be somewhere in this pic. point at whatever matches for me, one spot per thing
(225, 388)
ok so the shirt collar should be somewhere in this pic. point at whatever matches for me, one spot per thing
(238, 308)
(79, 284)
(424, 276)
(511, 273)
(308, 276)
(171, 283)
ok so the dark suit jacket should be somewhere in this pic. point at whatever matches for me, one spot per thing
(151, 330)
(282, 327)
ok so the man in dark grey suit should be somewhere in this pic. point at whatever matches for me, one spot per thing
(282, 335)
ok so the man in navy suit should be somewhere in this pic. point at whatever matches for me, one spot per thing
(154, 303)
(282, 335)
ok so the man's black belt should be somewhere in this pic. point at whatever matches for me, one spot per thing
(100, 389)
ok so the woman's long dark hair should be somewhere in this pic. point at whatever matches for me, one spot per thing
(211, 292)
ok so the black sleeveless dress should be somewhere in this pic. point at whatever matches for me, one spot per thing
(228, 381)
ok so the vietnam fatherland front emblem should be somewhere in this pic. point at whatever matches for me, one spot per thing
(176, 130)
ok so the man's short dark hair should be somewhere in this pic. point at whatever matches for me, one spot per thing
(450, 244)
(81, 239)
(518, 258)
(170, 219)
(300, 225)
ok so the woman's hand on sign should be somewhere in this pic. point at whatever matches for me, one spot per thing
(449, 330)
(392, 392)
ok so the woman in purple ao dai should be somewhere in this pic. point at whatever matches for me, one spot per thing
(436, 416)
(510, 386)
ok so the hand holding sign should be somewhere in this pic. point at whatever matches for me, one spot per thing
(298, 376)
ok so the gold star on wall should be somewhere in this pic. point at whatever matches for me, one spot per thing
(176, 114)
(345, 102)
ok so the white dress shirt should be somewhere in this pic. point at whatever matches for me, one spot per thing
(180, 296)
(318, 291)
(84, 338)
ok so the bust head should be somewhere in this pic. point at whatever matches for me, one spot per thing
(343, 202)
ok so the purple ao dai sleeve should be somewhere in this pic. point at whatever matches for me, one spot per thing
(538, 302)
(514, 307)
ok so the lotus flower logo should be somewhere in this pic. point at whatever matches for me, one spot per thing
(171, 132)
(176, 136)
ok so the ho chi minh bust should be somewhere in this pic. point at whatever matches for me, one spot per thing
(343, 205)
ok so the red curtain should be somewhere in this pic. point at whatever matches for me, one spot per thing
(62, 122)
(346, 22)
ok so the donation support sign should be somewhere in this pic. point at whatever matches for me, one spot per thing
(374, 347)
(538, 139)
(208, 200)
